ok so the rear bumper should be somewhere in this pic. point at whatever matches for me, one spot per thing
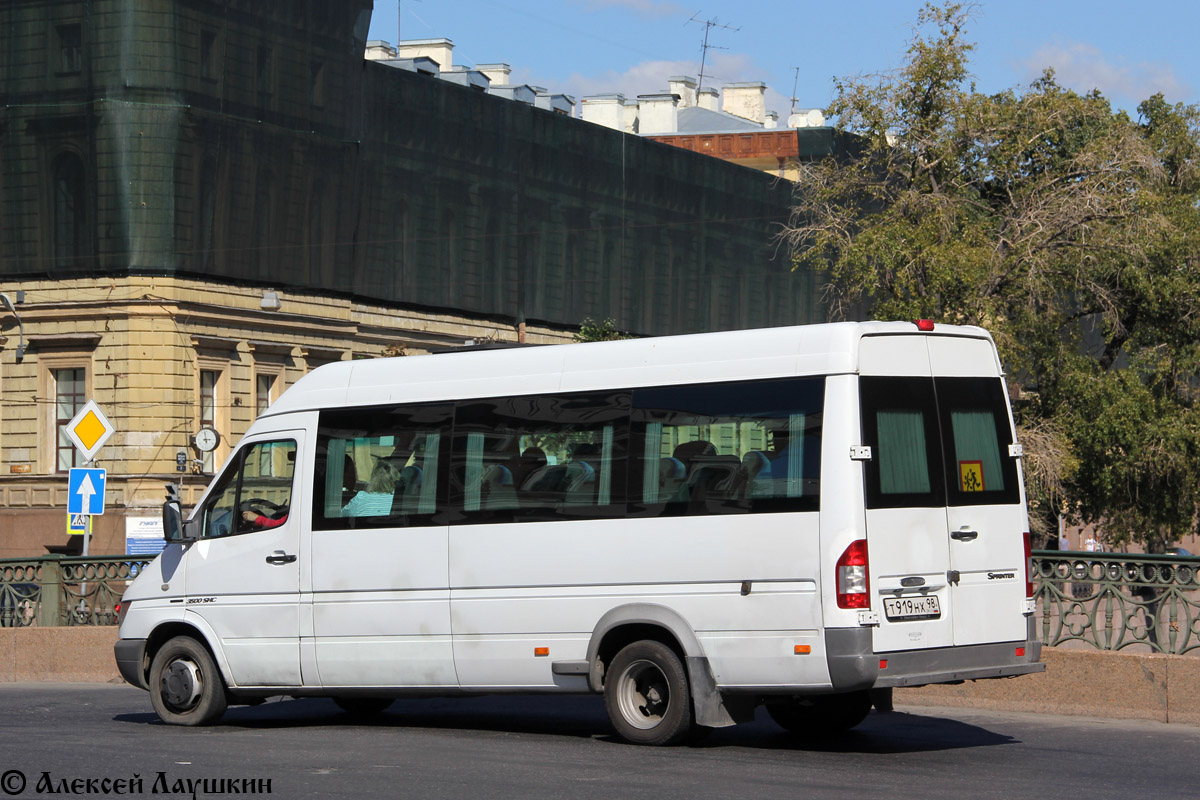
(130, 654)
(854, 665)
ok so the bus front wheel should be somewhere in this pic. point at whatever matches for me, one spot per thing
(186, 687)
(647, 696)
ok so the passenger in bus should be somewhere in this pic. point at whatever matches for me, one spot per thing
(376, 499)
(533, 459)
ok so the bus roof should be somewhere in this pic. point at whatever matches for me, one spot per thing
(825, 349)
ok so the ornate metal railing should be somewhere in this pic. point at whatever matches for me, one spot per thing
(1114, 601)
(62, 590)
(1110, 601)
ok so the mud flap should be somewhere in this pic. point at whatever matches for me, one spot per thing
(711, 708)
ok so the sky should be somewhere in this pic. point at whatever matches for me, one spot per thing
(1129, 51)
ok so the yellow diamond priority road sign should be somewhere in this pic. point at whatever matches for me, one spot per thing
(89, 430)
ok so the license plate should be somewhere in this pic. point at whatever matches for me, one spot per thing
(909, 608)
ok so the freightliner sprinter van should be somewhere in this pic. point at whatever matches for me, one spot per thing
(693, 526)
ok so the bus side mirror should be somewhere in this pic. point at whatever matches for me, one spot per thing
(175, 528)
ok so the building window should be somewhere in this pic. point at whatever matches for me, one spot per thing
(264, 73)
(264, 388)
(70, 48)
(448, 260)
(69, 217)
(206, 222)
(210, 380)
(317, 84)
(208, 55)
(264, 213)
(70, 395)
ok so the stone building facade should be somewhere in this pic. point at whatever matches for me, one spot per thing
(201, 200)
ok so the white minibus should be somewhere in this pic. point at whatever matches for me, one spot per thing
(694, 526)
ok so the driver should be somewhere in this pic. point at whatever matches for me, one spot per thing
(259, 521)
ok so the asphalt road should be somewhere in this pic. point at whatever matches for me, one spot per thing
(520, 747)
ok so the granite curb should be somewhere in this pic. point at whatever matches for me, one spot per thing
(1076, 682)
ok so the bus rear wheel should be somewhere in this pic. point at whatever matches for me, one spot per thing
(647, 696)
(820, 715)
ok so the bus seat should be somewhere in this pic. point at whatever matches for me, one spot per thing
(496, 488)
(580, 483)
(756, 475)
(408, 490)
(671, 475)
(550, 478)
(713, 477)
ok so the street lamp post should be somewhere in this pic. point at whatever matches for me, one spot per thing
(9, 305)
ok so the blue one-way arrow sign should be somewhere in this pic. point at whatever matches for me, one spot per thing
(85, 491)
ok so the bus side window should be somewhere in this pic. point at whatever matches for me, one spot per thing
(721, 448)
(540, 458)
(379, 467)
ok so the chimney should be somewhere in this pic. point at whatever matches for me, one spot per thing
(708, 99)
(657, 113)
(379, 51)
(685, 87)
(604, 109)
(438, 50)
(496, 73)
(630, 116)
(746, 100)
(772, 120)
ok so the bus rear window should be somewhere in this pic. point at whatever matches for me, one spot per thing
(937, 442)
(979, 470)
(899, 419)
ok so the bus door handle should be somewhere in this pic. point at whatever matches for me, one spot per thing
(280, 557)
(964, 536)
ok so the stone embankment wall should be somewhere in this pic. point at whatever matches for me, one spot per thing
(1076, 682)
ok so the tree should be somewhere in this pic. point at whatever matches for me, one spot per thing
(1067, 229)
(606, 331)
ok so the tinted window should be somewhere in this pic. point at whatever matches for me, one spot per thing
(976, 432)
(899, 420)
(727, 448)
(379, 467)
(540, 458)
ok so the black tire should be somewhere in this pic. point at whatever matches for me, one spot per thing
(186, 688)
(364, 706)
(647, 695)
(820, 715)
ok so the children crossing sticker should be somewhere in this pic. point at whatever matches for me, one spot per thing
(970, 475)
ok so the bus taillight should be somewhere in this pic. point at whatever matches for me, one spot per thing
(1028, 566)
(853, 577)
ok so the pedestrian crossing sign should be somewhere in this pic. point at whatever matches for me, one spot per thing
(79, 524)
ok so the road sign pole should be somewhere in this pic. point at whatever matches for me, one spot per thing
(87, 541)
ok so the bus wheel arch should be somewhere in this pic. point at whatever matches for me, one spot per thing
(626, 624)
(168, 631)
